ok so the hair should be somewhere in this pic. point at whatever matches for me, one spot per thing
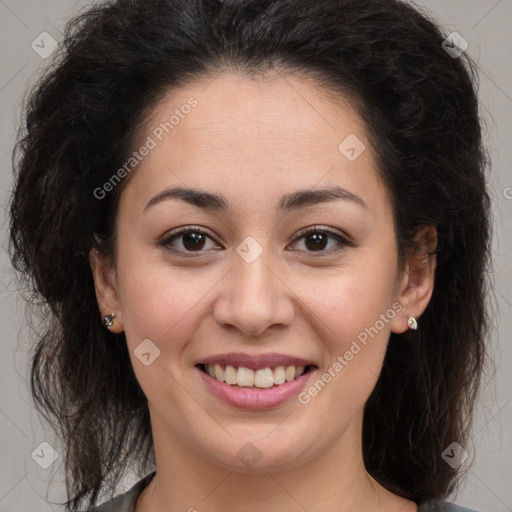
(81, 122)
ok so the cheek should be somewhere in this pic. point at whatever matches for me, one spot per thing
(160, 305)
(158, 301)
(165, 304)
(354, 339)
(348, 300)
(350, 314)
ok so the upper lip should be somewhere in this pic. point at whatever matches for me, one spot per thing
(256, 362)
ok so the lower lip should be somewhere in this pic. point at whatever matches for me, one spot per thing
(255, 398)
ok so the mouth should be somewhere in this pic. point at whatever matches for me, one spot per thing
(262, 378)
(256, 382)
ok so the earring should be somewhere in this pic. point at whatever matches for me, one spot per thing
(412, 323)
(109, 320)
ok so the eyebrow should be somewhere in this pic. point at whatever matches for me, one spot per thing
(292, 201)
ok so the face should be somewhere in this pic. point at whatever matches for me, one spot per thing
(235, 278)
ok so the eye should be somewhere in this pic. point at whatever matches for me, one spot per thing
(191, 239)
(316, 239)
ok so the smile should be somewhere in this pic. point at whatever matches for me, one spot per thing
(257, 389)
(242, 377)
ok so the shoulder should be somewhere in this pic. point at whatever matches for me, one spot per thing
(126, 502)
(442, 506)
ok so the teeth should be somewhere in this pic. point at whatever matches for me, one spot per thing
(279, 375)
(245, 377)
(230, 375)
(289, 373)
(219, 373)
(264, 378)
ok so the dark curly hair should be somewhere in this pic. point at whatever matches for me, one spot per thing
(82, 120)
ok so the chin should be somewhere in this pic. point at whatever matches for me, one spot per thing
(253, 454)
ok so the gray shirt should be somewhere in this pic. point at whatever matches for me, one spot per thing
(126, 502)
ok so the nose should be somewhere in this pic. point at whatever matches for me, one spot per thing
(253, 297)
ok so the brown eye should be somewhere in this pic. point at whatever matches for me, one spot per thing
(186, 240)
(317, 239)
(195, 240)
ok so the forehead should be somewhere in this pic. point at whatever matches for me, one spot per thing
(274, 112)
(260, 136)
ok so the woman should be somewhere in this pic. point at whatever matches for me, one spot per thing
(260, 233)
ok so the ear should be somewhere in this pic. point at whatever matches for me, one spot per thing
(106, 289)
(417, 279)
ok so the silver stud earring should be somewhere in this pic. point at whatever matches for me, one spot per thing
(412, 323)
(109, 320)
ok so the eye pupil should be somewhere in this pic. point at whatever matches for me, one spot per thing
(196, 240)
(319, 243)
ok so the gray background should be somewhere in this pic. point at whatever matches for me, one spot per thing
(487, 27)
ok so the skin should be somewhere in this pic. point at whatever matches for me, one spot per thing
(254, 141)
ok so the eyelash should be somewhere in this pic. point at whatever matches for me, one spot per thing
(343, 242)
